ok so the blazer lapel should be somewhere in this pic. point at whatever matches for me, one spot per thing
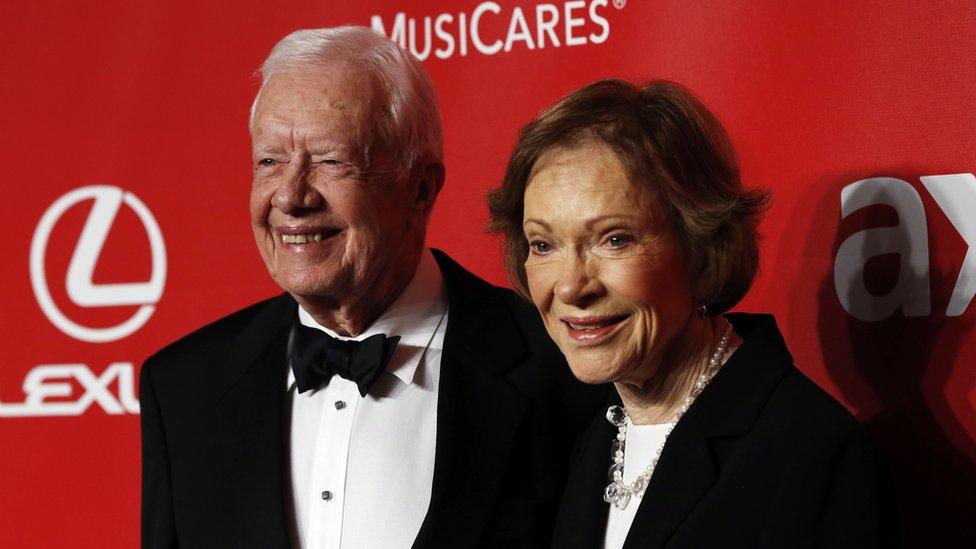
(478, 411)
(250, 413)
(583, 514)
(726, 408)
(683, 474)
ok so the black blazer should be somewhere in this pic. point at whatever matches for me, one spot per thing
(763, 458)
(508, 411)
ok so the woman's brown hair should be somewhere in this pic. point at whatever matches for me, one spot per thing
(672, 146)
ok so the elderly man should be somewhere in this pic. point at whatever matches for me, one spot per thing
(388, 398)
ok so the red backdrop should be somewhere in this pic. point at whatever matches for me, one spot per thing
(143, 107)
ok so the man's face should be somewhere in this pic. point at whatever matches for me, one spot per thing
(330, 211)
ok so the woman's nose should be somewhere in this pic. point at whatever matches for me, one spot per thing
(578, 281)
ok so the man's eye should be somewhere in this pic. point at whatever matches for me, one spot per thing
(618, 240)
(267, 162)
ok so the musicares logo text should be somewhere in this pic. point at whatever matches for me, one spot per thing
(573, 23)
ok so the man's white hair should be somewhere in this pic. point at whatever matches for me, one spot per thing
(411, 121)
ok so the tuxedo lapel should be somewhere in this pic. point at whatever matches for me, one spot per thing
(478, 411)
(250, 413)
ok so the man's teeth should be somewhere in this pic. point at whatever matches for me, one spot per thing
(302, 238)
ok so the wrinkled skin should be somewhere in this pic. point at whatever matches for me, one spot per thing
(602, 255)
(320, 169)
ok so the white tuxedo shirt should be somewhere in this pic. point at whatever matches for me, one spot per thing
(361, 467)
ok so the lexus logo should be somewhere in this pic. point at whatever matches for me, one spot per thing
(80, 288)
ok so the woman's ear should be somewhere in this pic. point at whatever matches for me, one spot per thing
(702, 282)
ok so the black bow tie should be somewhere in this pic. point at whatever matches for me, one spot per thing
(316, 357)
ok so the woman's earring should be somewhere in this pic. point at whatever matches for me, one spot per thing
(702, 309)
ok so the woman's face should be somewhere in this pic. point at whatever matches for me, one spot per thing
(604, 269)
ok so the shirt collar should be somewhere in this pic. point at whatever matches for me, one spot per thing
(415, 316)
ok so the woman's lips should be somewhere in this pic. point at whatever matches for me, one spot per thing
(592, 330)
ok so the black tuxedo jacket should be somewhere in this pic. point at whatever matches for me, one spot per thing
(763, 459)
(213, 435)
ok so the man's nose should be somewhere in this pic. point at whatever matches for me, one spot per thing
(578, 281)
(296, 193)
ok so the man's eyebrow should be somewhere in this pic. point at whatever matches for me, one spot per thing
(265, 148)
(328, 148)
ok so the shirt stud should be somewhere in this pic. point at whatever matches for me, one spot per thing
(326, 495)
(340, 404)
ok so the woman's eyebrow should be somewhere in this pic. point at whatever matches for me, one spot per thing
(540, 222)
(608, 217)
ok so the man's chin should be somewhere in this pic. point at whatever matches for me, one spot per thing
(312, 291)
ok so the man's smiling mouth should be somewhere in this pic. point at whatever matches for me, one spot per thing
(305, 238)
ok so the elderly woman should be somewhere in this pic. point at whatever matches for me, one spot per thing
(626, 223)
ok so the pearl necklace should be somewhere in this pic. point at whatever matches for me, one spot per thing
(620, 493)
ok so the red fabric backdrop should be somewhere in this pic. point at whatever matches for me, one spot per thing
(149, 101)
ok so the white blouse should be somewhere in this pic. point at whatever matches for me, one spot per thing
(643, 442)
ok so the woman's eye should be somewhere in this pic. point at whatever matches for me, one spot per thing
(618, 240)
(539, 247)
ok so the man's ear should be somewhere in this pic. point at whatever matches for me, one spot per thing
(429, 180)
